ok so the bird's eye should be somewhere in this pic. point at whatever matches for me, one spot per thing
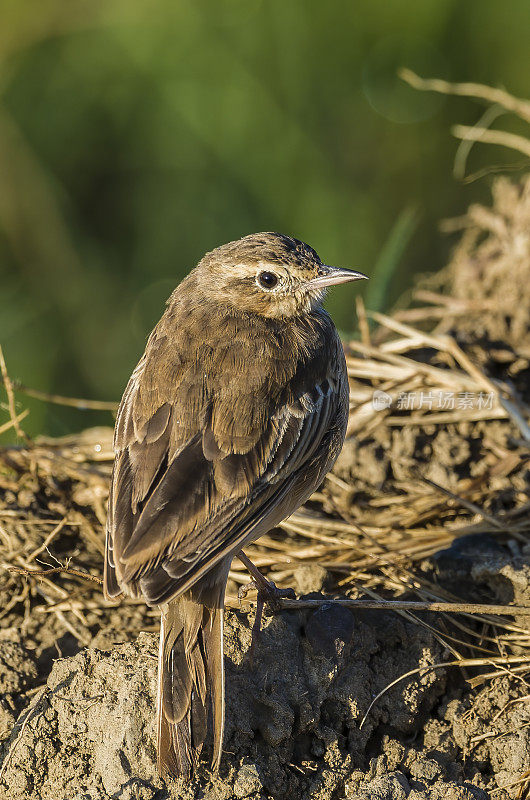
(268, 280)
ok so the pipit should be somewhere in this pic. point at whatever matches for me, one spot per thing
(233, 416)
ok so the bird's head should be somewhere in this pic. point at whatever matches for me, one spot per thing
(268, 274)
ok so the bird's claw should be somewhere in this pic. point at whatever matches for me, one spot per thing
(268, 593)
(272, 596)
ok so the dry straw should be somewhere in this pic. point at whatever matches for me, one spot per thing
(372, 555)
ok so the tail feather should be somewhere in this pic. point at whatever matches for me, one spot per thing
(216, 667)
(190, 678)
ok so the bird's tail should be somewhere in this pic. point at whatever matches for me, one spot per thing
(190, 678)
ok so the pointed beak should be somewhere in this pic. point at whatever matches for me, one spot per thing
(329, 276)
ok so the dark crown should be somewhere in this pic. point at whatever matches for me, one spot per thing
(270, 247)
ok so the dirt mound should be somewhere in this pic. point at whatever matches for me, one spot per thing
(295, 710)
(292, 725)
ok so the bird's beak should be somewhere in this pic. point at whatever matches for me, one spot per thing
(329, 276)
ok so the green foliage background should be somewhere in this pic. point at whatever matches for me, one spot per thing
(134, 136)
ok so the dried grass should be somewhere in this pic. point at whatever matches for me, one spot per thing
(54, 494)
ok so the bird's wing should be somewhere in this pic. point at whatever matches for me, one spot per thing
(190, 487)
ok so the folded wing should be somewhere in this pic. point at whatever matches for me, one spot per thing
(186, 494)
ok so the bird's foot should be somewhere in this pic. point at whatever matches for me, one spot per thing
(268, 593)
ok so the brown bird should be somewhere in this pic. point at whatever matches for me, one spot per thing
(233, 416)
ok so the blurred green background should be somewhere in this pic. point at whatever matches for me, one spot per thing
(135, 136)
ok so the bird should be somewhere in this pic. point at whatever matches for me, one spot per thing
(230, 421)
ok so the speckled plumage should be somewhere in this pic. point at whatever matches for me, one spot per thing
(231, 419)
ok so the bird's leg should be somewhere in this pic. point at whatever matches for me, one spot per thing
(268, 592)
(267, 589)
